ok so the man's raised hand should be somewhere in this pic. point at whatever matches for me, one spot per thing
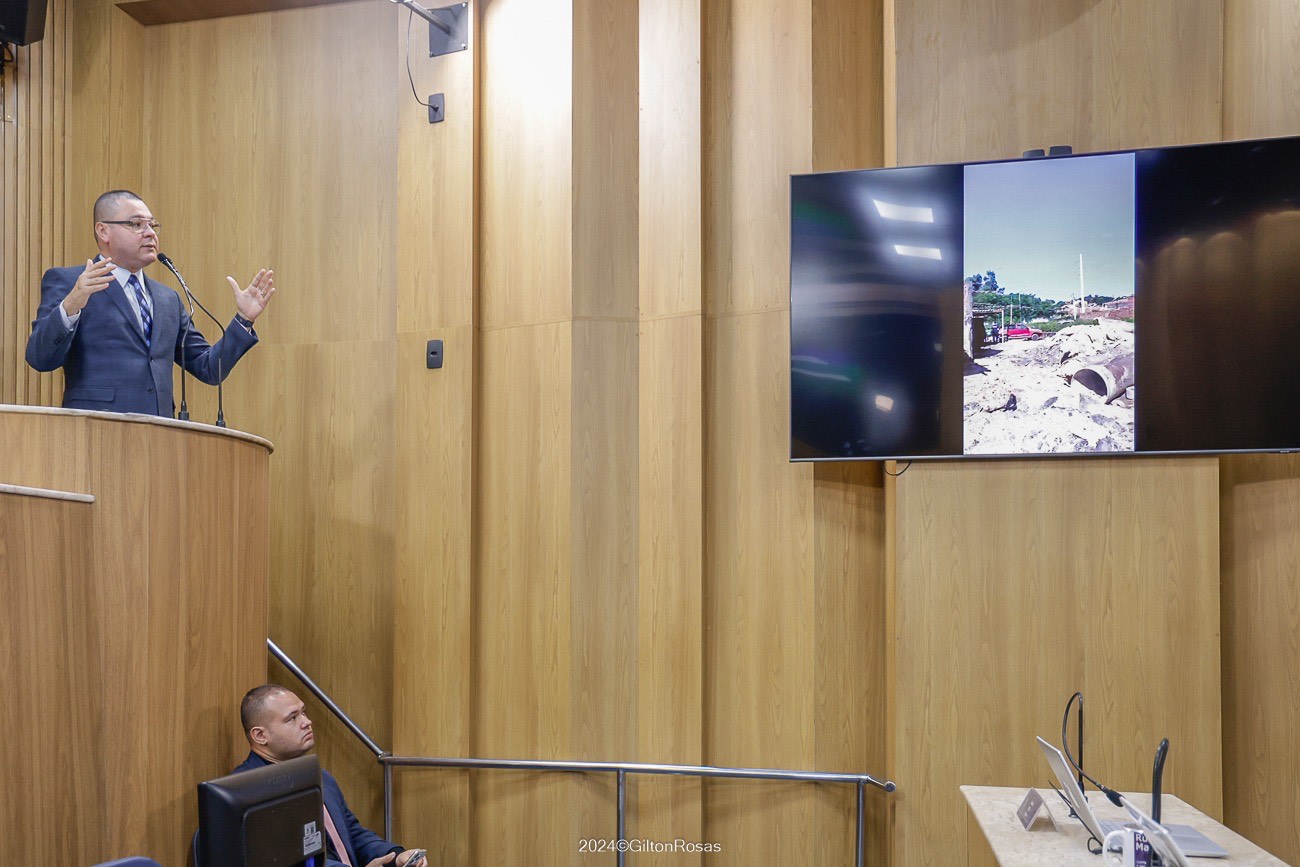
(94, 279)
(253, 300)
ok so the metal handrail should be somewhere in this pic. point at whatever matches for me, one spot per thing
(325, 699)
(621, 769)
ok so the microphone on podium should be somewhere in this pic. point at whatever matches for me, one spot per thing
(221, 414)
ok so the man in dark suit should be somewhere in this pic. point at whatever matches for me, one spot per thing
(116, 333)
(276, 724)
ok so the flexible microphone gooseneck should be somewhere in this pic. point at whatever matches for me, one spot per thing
(1113, 796)
(1157, 774)
(221, 413)
(1065, 722)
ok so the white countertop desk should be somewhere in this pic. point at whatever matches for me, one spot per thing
(994, 809)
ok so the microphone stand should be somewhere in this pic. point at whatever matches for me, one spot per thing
(184, 414)
(167, 262)
(1157, 773)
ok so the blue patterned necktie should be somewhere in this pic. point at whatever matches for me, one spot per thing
(146, 318)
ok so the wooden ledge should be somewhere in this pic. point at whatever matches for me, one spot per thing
(45, 494)
(135, 418)
(150, 12)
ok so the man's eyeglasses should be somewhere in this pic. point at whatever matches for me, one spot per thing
(137, 225)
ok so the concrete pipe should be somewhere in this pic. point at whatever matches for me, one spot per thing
(1108, 381)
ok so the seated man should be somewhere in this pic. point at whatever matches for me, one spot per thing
(276, 724)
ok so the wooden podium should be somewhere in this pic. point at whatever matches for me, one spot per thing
(134, 554)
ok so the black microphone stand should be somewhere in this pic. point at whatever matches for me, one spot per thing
(184, 414)
(221, 413)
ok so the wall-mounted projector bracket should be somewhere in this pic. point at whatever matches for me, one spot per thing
(449, 29)
(448, 26)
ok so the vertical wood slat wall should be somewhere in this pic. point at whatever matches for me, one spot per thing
(1259, 497)
(33, 111)
(414, 528)
(1012, 579)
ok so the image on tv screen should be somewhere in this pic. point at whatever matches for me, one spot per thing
(1138, 302)
(1049, 267)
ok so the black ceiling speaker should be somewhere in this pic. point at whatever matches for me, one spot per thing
(22, 22)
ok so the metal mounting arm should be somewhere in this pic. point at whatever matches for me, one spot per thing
(448, 26)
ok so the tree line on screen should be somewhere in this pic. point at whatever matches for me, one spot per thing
(1027, 306)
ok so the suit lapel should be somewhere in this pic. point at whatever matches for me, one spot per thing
(165, 317)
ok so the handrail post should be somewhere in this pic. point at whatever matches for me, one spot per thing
(388, 801)
(862, 826)
(622, 816)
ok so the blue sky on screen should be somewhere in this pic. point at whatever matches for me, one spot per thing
(1029, 220)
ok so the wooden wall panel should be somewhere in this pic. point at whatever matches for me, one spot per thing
(124, 645)
(756, 133)
(33, 115)
(204, 629)
(669, 607)
(670, 158)
(1096, 76)
(558, 415)
(102, 85)
(27, 434)
(606, 130)
(760, 648)
(603, 587)
(289, 161)
(332, 561)
(851, 711)
(271, 169)
(1261, 64)
(49, 633)
(670, 435)
(794, 559)
(990, 79)
(1260, 499)
(523, 640)
(848, 499)
(847, 84)
(1017, 583)
(155, 599)
(526, 162)
(523, 616)
(433, 589)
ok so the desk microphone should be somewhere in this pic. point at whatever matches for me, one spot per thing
(221, 414)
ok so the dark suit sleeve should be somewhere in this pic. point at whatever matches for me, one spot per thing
(366, 843)
(210, 364)
(50, 340)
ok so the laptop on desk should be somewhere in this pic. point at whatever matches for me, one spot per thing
(1191, 841)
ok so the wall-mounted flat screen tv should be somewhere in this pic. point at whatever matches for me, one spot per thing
(1138, 302)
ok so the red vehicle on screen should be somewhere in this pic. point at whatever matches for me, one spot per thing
(1022, 331)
